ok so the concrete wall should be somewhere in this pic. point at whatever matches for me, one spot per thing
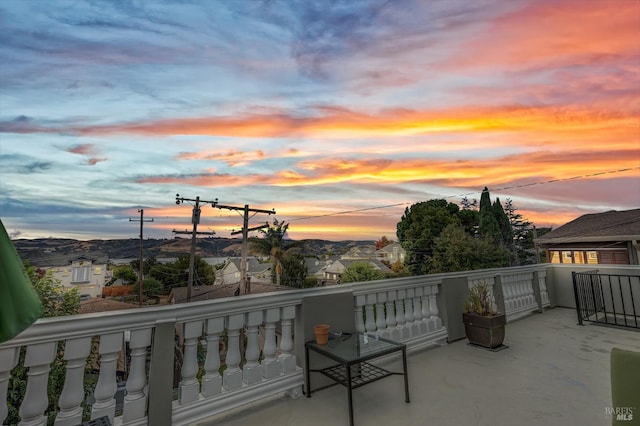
(559, 275)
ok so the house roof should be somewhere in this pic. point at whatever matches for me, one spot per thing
(608, 226)
(103, 305)
(254, 266)
(342, 264)
(314, 265)
(390, 248)
(210, 292)
(45, 259)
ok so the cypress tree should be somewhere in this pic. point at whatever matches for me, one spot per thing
(488, 224)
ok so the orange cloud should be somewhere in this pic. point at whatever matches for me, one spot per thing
(552, 33)
(231, 157)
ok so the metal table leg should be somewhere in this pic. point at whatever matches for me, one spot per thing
(406, 380)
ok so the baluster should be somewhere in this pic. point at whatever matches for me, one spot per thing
(189, 386)
(370, 323)
(105, 405)
(417, 311)
(408, 314)
(270, 364)
(400, 319)
(517, 285)
(360, 301)
(76, 352)
(252, 370)
(391, 314)
(544, 295)
(135, 401)
(530, 292)
(381, 323)
(8, 360)
(38, 360)
(212, 380)
(427, 326)
(287, 359)
(433, 308)
(507, 291)
(232, 377)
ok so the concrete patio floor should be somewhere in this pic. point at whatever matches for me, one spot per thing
(554, 372)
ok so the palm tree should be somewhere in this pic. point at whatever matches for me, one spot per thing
(271, 245)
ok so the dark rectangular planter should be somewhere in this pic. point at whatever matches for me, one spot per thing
(483, 331)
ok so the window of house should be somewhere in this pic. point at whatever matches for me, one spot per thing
(81, 274)
(566, 257)
(578, 257)
(592, 257)
(555, 256)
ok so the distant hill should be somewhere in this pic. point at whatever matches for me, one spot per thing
(130, 248)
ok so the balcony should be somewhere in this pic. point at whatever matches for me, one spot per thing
(554, 371)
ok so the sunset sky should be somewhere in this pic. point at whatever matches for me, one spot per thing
(337, 114)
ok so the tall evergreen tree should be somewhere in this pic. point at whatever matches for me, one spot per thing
(488, 226)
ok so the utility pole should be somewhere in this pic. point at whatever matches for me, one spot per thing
(244, 283)
(195, 219)
(140, 277)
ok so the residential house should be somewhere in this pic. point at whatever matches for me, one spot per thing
(86, 272)
(360, 252)
(333, 272)
(391, 253)
(611, 237)
(316, 268)
(257, 271)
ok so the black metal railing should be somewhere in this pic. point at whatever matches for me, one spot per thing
(609, 299)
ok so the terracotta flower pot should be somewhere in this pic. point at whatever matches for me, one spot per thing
(322, 333)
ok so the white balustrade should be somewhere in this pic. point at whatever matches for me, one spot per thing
(252, 370)
(76, 352)
(212, 380)
(517, 291)
(104, 394)
(404, 309)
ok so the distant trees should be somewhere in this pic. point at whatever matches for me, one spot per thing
(124, 273)
(418, 228)
(176, 274)
(383, 242)
(440, 237)
(294, 271)
(360, 271)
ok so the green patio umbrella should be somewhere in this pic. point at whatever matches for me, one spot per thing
(19, 302)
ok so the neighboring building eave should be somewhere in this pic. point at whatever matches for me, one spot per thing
(563, 240)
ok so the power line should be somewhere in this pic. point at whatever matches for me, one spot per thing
(544, 182)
